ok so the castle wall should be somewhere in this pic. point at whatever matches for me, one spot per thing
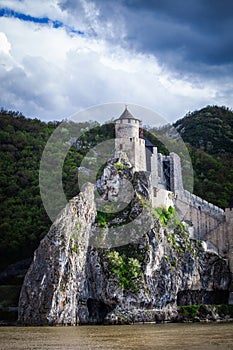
(162, 198)
(135, 150)
(148, 160)
(176, 181)
(207, 219)
(229, 232)
(154, 167)
(140, 154)
(162, 183)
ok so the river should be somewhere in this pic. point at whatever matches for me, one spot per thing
(148, 336)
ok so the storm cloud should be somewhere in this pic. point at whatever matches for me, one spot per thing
(191, 32)
(59, 56)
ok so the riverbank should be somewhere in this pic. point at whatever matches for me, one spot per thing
(180, 314)
(183, 314)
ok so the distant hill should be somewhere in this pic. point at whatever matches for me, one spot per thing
(208, 134)
(209, 129)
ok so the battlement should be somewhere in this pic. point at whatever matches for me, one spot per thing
(202, 204)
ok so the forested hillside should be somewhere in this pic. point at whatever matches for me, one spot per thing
(208, 134)
(23, 220)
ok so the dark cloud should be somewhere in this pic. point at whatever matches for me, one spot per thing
(200, 31)
(172, 56)
(188, 35)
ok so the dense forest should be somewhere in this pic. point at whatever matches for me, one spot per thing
(208, 134)
(23, 219)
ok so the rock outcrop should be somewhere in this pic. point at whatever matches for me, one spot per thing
(135, 265)
(56, 278)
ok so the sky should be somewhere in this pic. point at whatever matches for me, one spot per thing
(59, 57)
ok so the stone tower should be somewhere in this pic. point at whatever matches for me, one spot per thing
(128, 140)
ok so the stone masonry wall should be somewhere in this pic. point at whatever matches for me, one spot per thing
(135, 150)
(208, 220)
(128, 140)
(229, 232)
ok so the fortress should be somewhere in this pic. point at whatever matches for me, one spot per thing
(206, 221)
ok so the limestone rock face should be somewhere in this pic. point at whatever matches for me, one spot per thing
(50, 293)
(141, 273)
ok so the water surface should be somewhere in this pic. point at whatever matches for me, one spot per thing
(148, 336)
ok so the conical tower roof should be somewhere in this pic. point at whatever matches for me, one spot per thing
(127, 115)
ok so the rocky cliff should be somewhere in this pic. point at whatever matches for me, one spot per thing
(118, 266)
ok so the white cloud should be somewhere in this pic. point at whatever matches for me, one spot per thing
(5, 46)
(50, 74)
(42, 8)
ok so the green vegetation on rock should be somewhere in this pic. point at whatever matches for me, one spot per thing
(203, 312)
(127, 269)
(166, 216)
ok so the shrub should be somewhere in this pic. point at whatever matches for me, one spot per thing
(126, 268)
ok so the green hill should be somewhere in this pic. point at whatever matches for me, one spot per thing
(23, 219)
(209, 129)
(208, 134)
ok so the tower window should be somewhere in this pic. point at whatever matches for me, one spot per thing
(129, 121)
(131, 139)
(155, 191)
(120, 145)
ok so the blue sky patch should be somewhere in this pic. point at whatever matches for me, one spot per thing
(4, 12)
